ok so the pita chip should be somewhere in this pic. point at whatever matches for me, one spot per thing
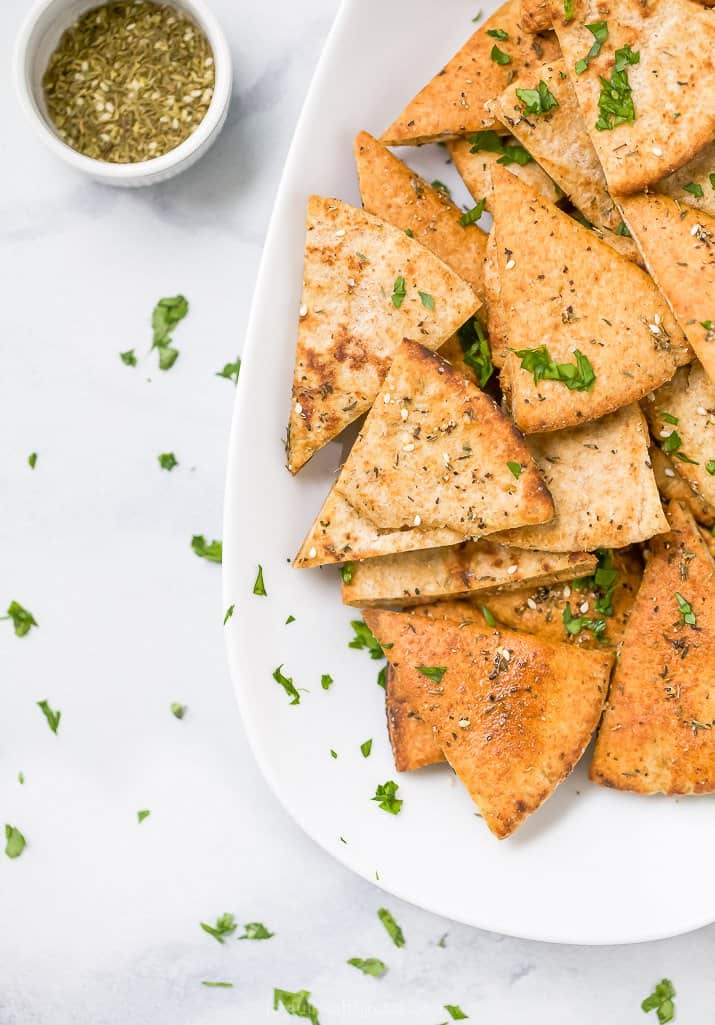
(512, 713)
(674, 488)
(595, 315)
(393, 192)
(678, 247)
(466, 570)
(681, 415)
(362, 281)
(693, 184)
(435, 451)
(477, 156)
(573, 613)
(452, 103)
(602, 485)
(657, 61)
(658, 730)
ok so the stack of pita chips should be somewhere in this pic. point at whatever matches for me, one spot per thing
(539, 404)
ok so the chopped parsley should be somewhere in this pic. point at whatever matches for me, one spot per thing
(128, 358)
(21, 777)
(393, 930)
(575, 624)
(475, 350)
(225, 926)
(398, 292)
(286, 683)
(409, 232)
(229, 612)
(212, 552)
(669, 418)
(166, 315)
(434, 673)
(178, 710)
(498, 56)
(53, 717)
(477, 16)
(488, 616)
(687, 616)
(537, 101)
(694, 189)
(498, 33)
(366, 748)
(441, 187)
(473, 215)
(382, 675)
(671, 446)
(369, 966)
(455, 1012)
(218, 985)
(615, 103)
(346, 571)
(22, 620)
(386, 796)
(490, 142)
(231, 370)
(712, 181)
(15, 842)
(325, 681)
(297, 1004)
(710, 467)
(259, 587)
(167, 460)
(333, 754)
(290, 619)
(661, 1001)
(365, 640)
(568, 10)
(256, 931)
(603, 581)
(427, 300)
(578, 376)
(599, 31)
(515, 468)
(32, 460)
(143, 814)
(622, 229)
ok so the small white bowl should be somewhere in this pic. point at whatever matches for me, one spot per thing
(37, 40)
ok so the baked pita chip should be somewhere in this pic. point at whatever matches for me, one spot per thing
(546, 611)
(498, 338)
(536, 15)
(453, 102)
(512, 713)
(658, 731)
(361, 296)
(673, 488)
(678, 247)
(693, 184)
(585, 303)
(390, 190)
(681, 415)
(461, 571)
(477, 156)
(435, 451)
(602, 484)
(667, 70)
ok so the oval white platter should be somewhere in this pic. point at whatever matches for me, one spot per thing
(592, 865)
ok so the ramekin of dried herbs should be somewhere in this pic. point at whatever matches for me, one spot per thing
(129, 91)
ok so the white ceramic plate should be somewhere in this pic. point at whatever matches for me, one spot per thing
(592, 866)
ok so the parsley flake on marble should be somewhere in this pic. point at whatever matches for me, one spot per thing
(143, 814)
(128, 358)
(366, 748)
(326, 681)
(256, 931)
(298, 1004)
(661, 1001)
(32, 460)
(178, 710)
(225, 926)
(53, 717)
(15, 842)
(393, 930)
(167, 460)
(166, 315)
(369, 966)
(22, 619)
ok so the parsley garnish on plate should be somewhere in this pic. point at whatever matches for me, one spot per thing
(178, 710)
(53, 717)
(366, 748)
(218, 985)
(537, 101)
(578, 376)
(128, 358)
(599, 31)
(167, 460)
(259, 587)
(143, 814)
(473, 215)
(231, 371)
(615, 103)
(499, 57)
(225, 926)
(687, 616)
(434, 673)
(32, 460)
(346, 571)
(661, 1001)
(455, 1012)
(694, 189)
(326, 681)
(229, 612)
(256, 931)
(515, 468)
(22, 620)
(333, 754)
(385, 795)
(393, 930)
(369, 966)
(398, 292)
(166, 315)
(289, 620)
(212, 552)
(427, 300)
(298, 1004)
(475, 349)
(365, 640)
(286, 683)
(15, 842)
(21, 777)
(575, 624)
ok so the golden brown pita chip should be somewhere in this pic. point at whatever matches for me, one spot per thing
(536, 15)
(658, 731)
(453, 102)
(436, 451)
(668, 70)
(460, 571)
(477, 168)
(567, 297)
(546, 610)
(361, 296)
(673, 488)
(678, 247)
(496, 327)
(681, 415)
(513, 713)
(693, 184)
(602, 484)
(390, 190)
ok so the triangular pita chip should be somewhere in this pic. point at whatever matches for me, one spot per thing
(476, 167)
(466, 570)
(362, 281)
(689, 399)
(658, 731)
(498, 338)
(545, 611)
(390, 190)
(435, 451)
(602, 484)
(693, 183)
(678, 247)
(673, 74)
(673, 488)
(512, 713)
(536, 15)
(565, 290)
(453, 102)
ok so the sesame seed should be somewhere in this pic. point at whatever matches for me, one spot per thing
(657, 151)
(510, 264)
(583, 607)
(298, 408)
(417, 520)
(464, 723)
(567, 591)
(531, 603)
(668, 472)
(665, 433)
(340, 232)
(408, 448)
(512, 569)
(386, 398)
(702, 411)
(403, 414)
(312, 553)
(695, 229)
(351, 282)
(303, 310)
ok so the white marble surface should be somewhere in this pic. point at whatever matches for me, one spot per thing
(99, 917)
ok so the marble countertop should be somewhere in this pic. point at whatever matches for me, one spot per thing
(100, 915)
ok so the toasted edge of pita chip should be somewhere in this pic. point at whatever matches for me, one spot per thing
(674, 488)
(362, 280)
(512, 713)
(693, 183)
(436, 451)
(657, 731)
(476, 169)
(466, 570)
(536, 15)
